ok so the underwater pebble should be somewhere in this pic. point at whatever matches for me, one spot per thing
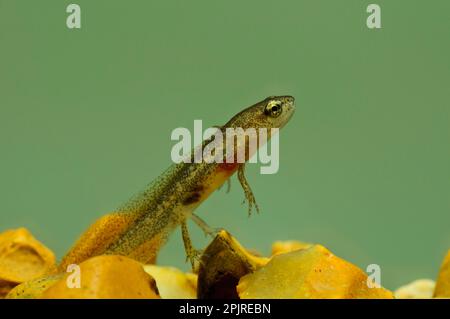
(172, 283)
(418, 289)
(443, 281)
(309, 273)
(22, 258)
(115, 277)
(222, 264)
(281, 247)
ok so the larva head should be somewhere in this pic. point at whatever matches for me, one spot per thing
(272, 112)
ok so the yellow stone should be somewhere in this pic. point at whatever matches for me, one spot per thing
(443, 282)
(115, 277)
(281, 247)
(418, 289)
(22, 257)
(173, 283)
(309, 273)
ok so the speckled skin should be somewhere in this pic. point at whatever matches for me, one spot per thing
(141, 227)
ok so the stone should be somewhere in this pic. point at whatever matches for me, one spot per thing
(172, 283)
(308, 274)
(442, 289)
(111, 277)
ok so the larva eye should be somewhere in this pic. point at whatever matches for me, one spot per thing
(273, 109)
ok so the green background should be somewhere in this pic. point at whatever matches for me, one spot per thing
(86, 117)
